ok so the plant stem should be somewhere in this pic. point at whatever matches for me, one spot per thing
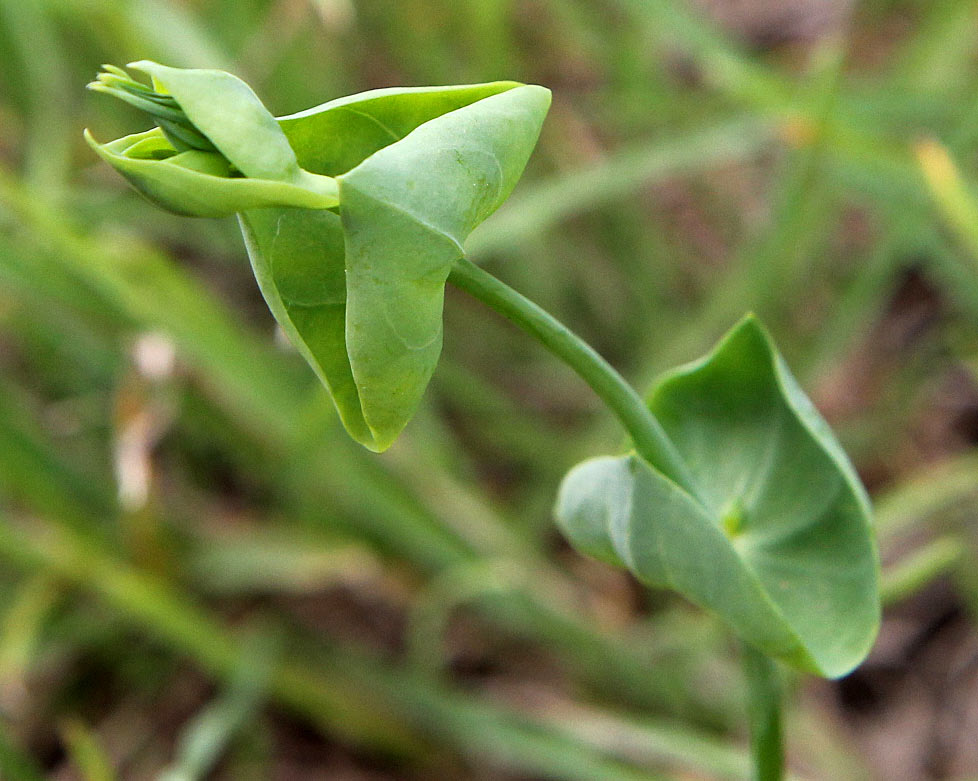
(648, 436)
(764, 709)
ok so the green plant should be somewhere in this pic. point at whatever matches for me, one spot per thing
(354, 214)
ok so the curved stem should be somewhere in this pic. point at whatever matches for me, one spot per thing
(648, 436)
(764, 707)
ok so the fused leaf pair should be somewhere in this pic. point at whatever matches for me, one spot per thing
(215, 151)
(775, 538)
(353, 212)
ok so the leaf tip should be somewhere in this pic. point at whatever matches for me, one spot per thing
(541, 96)
(749, 322)
(377, 444)
(144, 66)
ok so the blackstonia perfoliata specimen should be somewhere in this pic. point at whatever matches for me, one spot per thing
(354, 214)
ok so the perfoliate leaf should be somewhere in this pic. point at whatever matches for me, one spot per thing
(352, 212)
(217, 150)
(360, 293)
(777, 539)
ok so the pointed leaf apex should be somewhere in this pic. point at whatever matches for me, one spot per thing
(780, 544)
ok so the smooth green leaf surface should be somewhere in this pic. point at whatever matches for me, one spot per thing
(238, 157)
(352, 212)
(777, 540)
(360, 293)
(196, 184)
(228, 112)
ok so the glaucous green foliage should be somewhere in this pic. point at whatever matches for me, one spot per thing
(776, 539)
(216, 150)
(360, 291)
(354, 214)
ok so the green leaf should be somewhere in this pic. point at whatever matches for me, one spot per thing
(226, 110)
(196, 184)
(352, 212)
(360, 293)
(777, 539)
(217, 150)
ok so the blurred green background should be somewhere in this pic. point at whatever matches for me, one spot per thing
(200, 576)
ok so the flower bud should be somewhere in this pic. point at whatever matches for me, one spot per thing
(216, 149)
